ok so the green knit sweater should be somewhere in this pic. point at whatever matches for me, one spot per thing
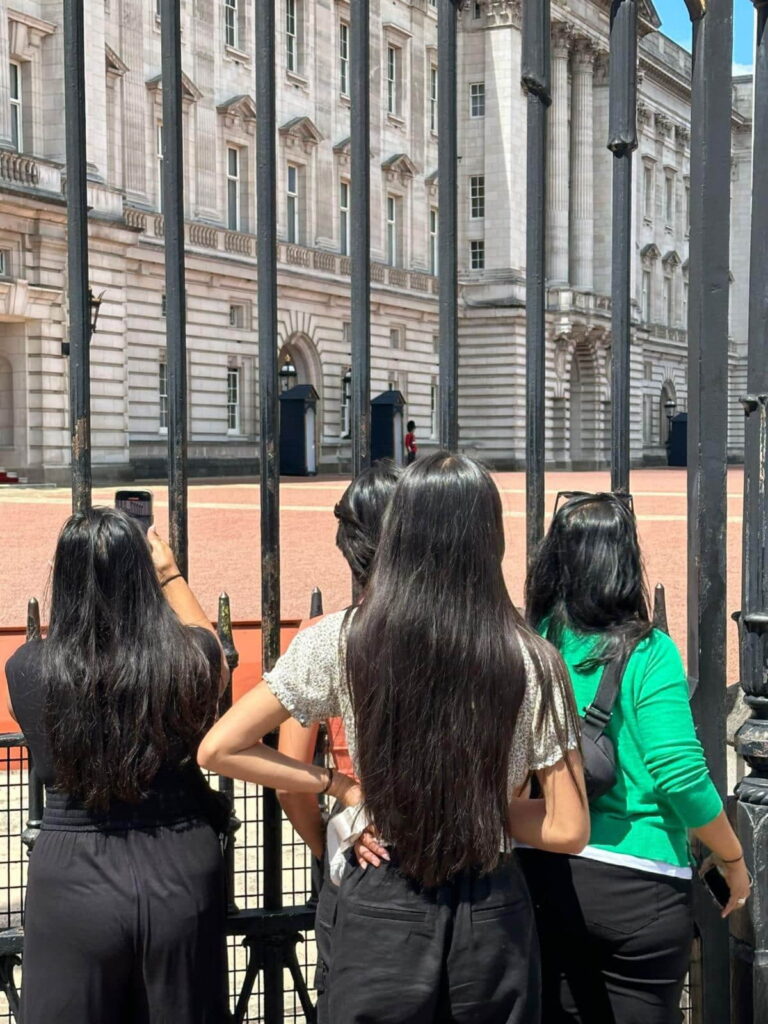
(663, 786)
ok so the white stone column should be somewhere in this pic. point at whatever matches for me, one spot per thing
(558, 171)
(582, 191)
(96, 92)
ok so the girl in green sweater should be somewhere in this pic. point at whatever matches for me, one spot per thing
(615, 921)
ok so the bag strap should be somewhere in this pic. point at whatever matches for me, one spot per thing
(598, 714)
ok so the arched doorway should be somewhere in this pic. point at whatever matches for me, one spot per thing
(667, 409)
(585, 415)
(575, 417)
(299, 364)
(6, 404)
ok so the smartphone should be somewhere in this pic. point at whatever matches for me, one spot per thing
(137, 505)
(717, 886)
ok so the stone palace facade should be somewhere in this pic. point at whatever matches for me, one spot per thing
(124, 109)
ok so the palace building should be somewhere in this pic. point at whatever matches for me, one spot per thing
(125, 132)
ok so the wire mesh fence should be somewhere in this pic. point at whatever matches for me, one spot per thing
(247, 888)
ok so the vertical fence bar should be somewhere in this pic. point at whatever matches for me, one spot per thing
(269, 467)
(707, 434)
(77, 255)
(35, 799)
(360, 243)
(175, 288)
(622, 141)
(448, 211)
(536, 82)
(751, 985)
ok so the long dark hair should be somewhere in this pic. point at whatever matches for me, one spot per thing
(128, 686)
(360, 514)
(437, 672)
(587, 575)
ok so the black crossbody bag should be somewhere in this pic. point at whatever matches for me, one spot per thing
(597, 750)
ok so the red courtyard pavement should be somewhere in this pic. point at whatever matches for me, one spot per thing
(224, 541)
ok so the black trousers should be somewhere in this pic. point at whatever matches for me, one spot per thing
(463, 953)
(615, 942)
(126, 928)
(325, 919)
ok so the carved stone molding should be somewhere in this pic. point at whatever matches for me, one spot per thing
(505, 12)
(664, 124)
(584, 53)
(562, 38)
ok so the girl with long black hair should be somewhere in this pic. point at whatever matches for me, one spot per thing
(360, 515)
(125, 910)
(615, 921)
(449, 702)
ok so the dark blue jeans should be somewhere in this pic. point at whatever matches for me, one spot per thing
(463, 953)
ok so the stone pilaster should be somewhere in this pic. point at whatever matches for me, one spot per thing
(5, 83)
(558, 171)
(134, 103)
(582, 150)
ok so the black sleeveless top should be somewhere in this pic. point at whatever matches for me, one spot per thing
(179, 792)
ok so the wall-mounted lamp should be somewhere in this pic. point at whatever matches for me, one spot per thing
(94, 305)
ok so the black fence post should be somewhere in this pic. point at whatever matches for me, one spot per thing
(35, 798)
(447, 178)
(707, 435)
(77, 254)
(751, 932)
(227, 785)
(175, 288)
(360, 242)
(269, 467)
(622, 142)
(536, 82)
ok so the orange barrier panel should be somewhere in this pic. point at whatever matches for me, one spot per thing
(247, 637)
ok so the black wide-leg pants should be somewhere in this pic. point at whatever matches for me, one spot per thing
(125, 928)
(462, 953)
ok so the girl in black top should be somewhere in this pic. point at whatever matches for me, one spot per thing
(126, 903)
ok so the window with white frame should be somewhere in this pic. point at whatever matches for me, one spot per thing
(646, 296)
(344, 218)
(669, 199)
(394, 254)
(477, 99)
(396, 337)
(477, 254)
(231, 25)
(293, 13)
(237, 315)
(434, 409)
(5, 263)
(162, 394)
(685, 304)
(234, 185)
(433, 227)
(292, 208)
(159, 165)
(667, 299)
(687, 207)
(344, 58)
(394, 72)
(648, 191)
(17, 131)
(433, 98)
(233, 400)
(477, 11)
(477, 197)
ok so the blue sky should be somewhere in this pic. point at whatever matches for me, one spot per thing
(676, 24)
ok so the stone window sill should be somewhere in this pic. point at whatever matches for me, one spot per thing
(296, 79)
(237, 55)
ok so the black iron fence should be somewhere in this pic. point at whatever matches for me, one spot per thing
(269, 869)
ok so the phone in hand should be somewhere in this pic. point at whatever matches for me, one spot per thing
(717, 887)
(137, 505)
